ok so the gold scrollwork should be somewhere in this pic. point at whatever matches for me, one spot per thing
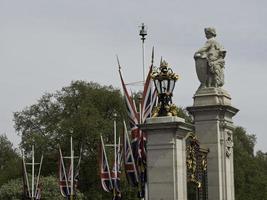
(172, 110)
(196, 160)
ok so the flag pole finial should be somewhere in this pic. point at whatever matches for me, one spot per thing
(143, 34)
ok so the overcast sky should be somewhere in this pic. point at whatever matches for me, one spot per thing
(45, 44)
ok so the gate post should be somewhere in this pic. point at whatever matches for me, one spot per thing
(166, 157)
(212, 112)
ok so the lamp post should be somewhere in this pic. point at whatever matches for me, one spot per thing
(143, 34)
(164, 79)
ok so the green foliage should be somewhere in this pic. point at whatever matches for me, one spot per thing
(50, 189)
(9, 161)
(13, 190)
(183, 113)
(83, 110)
(250, 170)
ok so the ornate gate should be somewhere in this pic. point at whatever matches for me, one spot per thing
(196, 161)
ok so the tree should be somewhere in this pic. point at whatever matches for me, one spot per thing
(9, 161)
(83, 110)
(250, 170)
(13, 190)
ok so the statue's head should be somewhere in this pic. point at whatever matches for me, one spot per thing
(210, 32)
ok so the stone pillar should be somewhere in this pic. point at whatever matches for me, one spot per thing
(212, 112)
(166, 157)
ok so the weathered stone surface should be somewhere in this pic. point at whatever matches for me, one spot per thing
(166, 157)
(212, 112)
(211, 96)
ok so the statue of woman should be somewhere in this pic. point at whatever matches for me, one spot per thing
(214, 54)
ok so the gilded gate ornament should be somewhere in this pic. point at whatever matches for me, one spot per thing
(196, 162)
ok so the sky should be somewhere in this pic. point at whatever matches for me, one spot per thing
(46, 44)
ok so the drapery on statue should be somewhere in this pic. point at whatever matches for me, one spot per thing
(210, 61)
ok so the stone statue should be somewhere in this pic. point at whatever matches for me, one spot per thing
(210, 61)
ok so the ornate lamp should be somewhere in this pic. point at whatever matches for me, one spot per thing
(164, 79)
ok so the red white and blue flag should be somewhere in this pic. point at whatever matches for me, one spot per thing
(116, 170)
(77, 171)
(148, 102)
(38, 193)
(35, 192)
(138, 141)
(149, 96)
(133, 119)
(133, 116)
(129, 163)
(64, 183)
(105, 174)
(26, 188)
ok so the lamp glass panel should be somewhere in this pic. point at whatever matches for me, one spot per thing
(172, 84)
(164, 86)
(157, 84)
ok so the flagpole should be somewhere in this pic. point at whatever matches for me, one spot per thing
(105, 155)
(115, 153)
(141, 134)
(32, 172)
(25, 173)
(64, 170)
(131, 152)
(72, 168)
(38, 177)
(143, 33)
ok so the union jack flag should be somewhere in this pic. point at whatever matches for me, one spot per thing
(34, 192)
(65, 176)
(148, 102)
(116, 170)
(77, 170)
(38, 193)
(149, 96)
(138, 142)
(129, 163)
(105, 174)
(133, 119)
(130, 106)
(64, 182)
(26, 188)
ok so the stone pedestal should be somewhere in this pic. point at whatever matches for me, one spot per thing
(212, 112)
(166, 157)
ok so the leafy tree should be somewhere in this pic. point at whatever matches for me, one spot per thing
(250, 170)
(9, 161)
(83, 110)
(13, 190)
